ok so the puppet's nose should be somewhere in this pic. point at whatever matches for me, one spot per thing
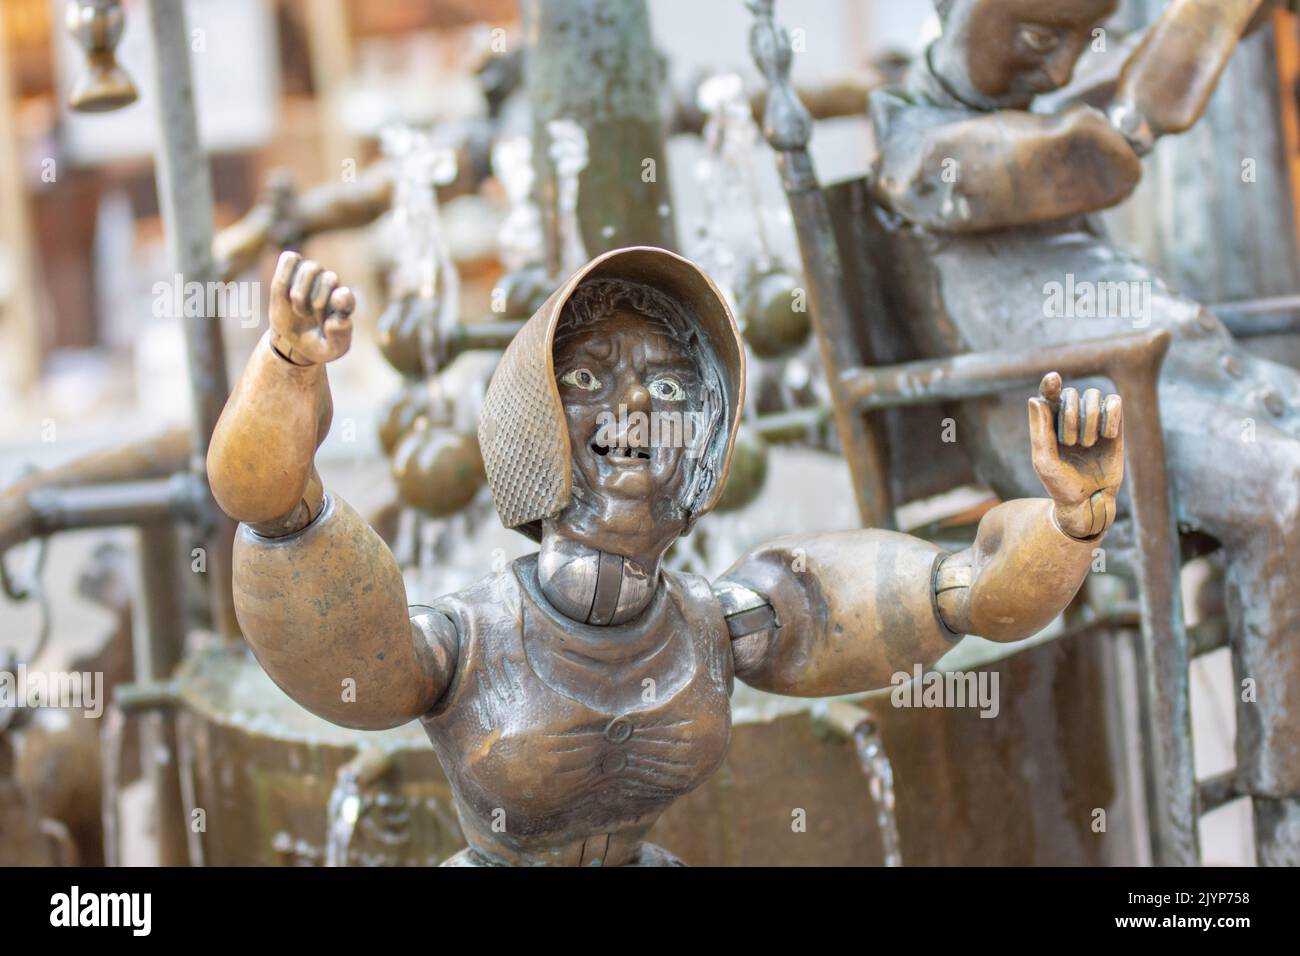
(636, 397)
(1060, 68)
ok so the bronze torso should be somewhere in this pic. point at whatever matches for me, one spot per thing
(554, 729)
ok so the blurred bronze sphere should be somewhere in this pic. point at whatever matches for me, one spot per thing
(748, 471)
(438, 471)
(400, 414)
(774, 327)
(399, 333)
(522, 293)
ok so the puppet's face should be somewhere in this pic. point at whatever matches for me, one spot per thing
(633, 400)
(1006, 52)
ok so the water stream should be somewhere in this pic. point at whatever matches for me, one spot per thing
(880, 780)
(343, 812)
(111, 734)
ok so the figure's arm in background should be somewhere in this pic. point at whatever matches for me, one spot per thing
(1167, 81)
(284, 218)
(952, 171)
(319, 596)
(824, 614)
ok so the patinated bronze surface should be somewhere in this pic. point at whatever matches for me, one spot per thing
(989, 202)
(574, 695)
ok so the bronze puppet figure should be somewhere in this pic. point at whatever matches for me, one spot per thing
(989, 205)
(574, 695)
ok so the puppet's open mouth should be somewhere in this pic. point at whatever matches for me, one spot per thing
(625, 455)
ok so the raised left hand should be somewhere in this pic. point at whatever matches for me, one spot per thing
(1078, 453)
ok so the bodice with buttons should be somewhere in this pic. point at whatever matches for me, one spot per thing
(564, 742)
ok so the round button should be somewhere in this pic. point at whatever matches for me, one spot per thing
(613, 762)
(607, 795)
(618, 730)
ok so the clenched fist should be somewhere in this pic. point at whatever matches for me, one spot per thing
(1078, 452)
(311, 314)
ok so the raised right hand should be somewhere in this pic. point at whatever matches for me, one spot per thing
(311, 314)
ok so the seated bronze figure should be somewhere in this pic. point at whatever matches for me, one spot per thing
(575, 694)
(987, 207)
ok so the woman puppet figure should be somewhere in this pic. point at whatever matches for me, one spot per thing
(575, 694)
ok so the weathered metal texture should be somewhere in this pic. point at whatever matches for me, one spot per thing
(157, 652)
(157, 457)
(1230, 424)
(788, 126)
(1021, 789)
(1044, 767)
(594, 63)
(1134, 368)
(575, 760)
(746, 814)
(1172, 793)
(1215, 212)
(263, 770)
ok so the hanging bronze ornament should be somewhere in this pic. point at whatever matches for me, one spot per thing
(103, 86)
(776, 322)
(438, 471)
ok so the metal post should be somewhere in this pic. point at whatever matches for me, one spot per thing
(185, 199)
(1165, 695)
(158, 641)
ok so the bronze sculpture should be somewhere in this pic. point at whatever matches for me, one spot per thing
(573, 695)
(986, 206)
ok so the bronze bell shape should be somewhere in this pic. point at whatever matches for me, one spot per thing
(97, 25)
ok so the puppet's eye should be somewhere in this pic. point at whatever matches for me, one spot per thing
(581, 378)
(1039, 39)
(667, 388)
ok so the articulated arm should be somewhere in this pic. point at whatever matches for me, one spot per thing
(1167, 81)
(817, 615)
(1019, 574)
(952, 172)
(291, 220)
(318, 595)
(841, 613)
